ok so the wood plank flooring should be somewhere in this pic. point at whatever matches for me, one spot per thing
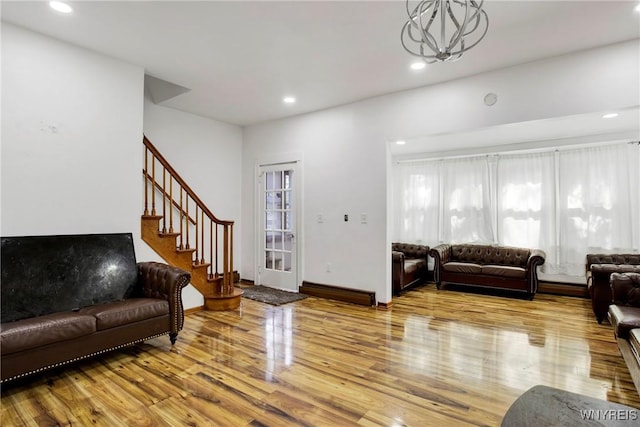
(437, 358)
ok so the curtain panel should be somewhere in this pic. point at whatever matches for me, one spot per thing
(567, 202)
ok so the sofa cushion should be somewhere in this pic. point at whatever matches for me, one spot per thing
(42, 330)
(462, 267)
(504, 271)
(127, 311)
(624, 318)
(413, 265)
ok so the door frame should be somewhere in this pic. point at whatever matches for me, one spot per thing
(298, 195)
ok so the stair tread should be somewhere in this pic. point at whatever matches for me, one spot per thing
(206, 264)
(184, 250)
(161, 234)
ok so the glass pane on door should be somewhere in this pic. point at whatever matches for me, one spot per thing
(278, 221)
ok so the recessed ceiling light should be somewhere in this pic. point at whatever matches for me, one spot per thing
(609, 115)
(401, 142)
(418, 65)
(637, 9)
(289, 100)
(60, 7)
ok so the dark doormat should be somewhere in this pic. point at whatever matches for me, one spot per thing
(270, 295)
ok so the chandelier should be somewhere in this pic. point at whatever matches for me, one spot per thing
(442, 30)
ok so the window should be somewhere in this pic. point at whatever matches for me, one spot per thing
(568, 203)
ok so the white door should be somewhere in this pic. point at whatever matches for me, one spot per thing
(276, 252)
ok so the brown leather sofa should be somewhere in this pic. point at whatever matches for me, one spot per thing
(599, 268)
(624, 315)
(408, 265)
(488, 266)
(36, 335)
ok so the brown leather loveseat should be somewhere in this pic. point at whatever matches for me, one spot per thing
(624, 315)
(66, 298)
(408, 265)
(599, 270)
(488, 266)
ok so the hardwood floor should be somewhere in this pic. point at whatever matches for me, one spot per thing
(437, 358)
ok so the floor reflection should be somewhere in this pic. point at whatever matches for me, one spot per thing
(278, 339)
(476, 354)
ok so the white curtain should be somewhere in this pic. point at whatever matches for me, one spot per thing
(598, 203)
(567, 203)
(416, 201)
(466, 201)
(526, 203)
(443, 201)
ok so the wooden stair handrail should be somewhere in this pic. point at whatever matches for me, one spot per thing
(198, 221)
(183, 184)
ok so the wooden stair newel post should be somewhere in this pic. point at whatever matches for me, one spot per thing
(216, 287)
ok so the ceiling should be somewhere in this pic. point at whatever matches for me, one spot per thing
(234, 61)
(553, 133)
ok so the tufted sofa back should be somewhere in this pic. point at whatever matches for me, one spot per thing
(617, 259)
(494, 255)
(410, 250)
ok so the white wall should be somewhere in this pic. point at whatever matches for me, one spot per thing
(207, 154)
(330, 142)
(345, 150)
(71, 139)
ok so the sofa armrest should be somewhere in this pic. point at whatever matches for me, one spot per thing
(164, 281)
(625, 289)
(397, 270)
(441, 254)
(536, 257)
(411, 250)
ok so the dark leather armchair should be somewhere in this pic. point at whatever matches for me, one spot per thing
(599, 269)
(408, 265)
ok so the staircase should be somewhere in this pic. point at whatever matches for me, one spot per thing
(184, 232)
